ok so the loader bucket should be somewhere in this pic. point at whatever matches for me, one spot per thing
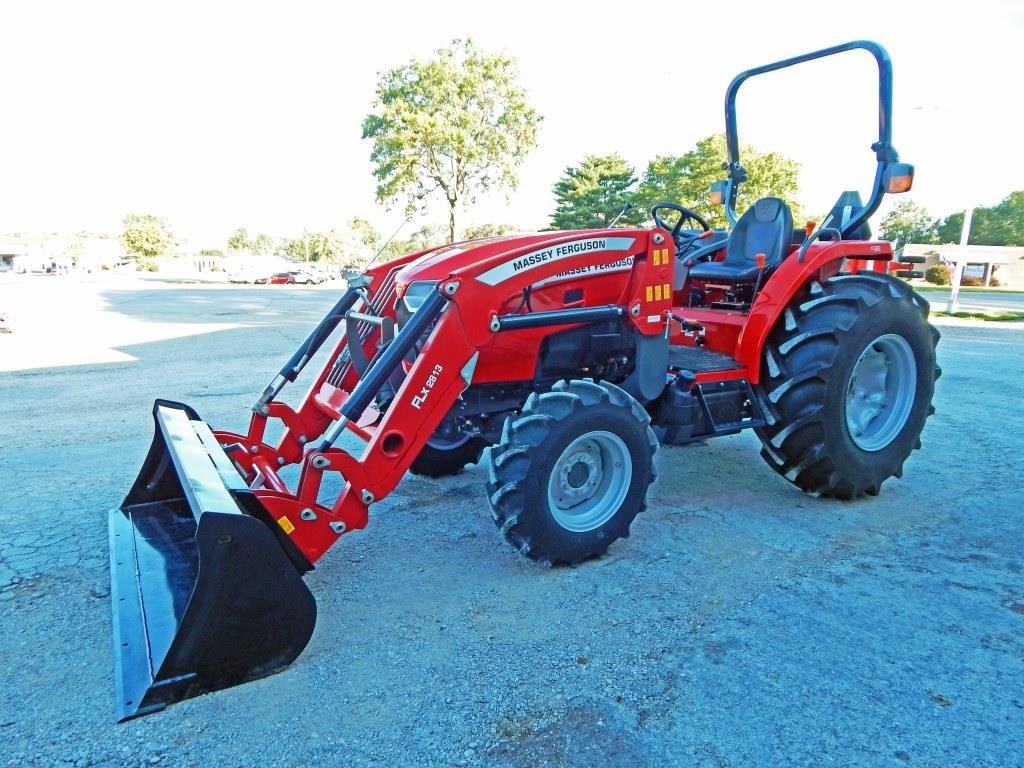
(206, 593)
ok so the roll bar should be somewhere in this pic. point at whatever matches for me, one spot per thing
(885, 153)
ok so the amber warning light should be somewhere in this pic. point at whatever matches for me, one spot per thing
(899, 178)
(717, 196)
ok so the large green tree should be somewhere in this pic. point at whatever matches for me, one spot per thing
(686, 179)
(455, 125)
(908, 222)
(590, 195)
(1001, 224)
(146, 235)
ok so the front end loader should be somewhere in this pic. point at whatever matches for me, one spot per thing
(569, 357)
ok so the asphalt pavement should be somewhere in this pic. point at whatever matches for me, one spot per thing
(742, 624)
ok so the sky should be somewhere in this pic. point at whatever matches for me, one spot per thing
(226, 115)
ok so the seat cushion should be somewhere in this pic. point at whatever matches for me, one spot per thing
(687, 257)
(722, 270)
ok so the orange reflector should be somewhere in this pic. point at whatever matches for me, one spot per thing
(899, 184)
(809, 227)
(717, 197)
(760, 258)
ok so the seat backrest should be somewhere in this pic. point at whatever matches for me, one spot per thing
(765, 227)
(842, 212)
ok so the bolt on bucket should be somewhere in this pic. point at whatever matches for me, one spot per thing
(206, 593)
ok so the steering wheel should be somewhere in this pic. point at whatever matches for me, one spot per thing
(685, 214)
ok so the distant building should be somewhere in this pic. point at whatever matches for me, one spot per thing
(22, 254)
(983, 261)
(41, 253)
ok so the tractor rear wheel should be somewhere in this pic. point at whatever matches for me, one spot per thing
(571, 471)
(848, 377)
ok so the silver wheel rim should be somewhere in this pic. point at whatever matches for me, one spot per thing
(589, 481)
(880, 392)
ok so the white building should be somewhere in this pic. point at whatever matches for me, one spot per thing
(983, 261)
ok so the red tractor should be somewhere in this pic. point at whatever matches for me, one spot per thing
(571, 355)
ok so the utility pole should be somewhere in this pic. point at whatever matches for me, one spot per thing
(961, 261)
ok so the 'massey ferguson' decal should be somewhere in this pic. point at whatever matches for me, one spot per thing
(527, 261)
(588, 270)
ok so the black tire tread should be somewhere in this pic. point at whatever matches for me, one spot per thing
(798, 357)
(509, 461)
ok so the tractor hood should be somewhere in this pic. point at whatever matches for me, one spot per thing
(537, 248)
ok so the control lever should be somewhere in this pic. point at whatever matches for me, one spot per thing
(688, 325)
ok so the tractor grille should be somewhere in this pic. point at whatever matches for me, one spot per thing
(382, 299)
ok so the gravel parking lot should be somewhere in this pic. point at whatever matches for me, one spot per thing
(743, 623)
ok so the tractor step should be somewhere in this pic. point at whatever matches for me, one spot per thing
(692, 411)
(706, 395)
(700, 360)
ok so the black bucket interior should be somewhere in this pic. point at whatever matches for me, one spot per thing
(204, 596)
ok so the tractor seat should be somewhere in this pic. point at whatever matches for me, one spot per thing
(765, 227)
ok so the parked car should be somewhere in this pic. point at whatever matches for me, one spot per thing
(308, 276)
(278, 278)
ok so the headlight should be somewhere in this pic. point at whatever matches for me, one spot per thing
(417, 293)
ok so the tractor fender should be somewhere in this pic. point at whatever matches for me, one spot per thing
(821, 261)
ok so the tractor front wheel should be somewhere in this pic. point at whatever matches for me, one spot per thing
(847, 383)
(571, 471)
